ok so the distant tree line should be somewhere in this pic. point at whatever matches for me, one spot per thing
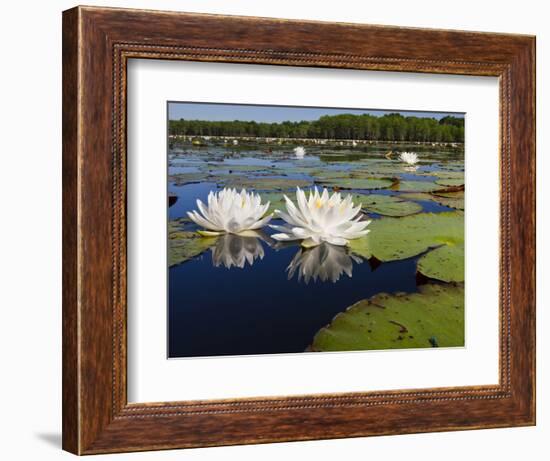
(389, 127)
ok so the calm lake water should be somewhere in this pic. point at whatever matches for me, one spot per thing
(264, 308)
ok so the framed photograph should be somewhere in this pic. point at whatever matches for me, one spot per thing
(282, 230)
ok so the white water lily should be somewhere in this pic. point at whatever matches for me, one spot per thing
(299, 152)
(236, 250)
(231, 212)
(410, 158)
(324, 262)
(235, 142)
(321, 218)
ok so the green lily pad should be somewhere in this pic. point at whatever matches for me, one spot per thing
(307, 170)
(268, 183)
(361, 247)
(416, 186)
(450, 182)
(381, 168)
(275, 199)
(453, 166)
(392, 239)
(423, 196)
(387, 205)
(433, 317)
(358, 183)
(329, 175)
(445, 263)
(185, 245)
(220, 168)
(447, 174)
(181, 179)
(450, 199)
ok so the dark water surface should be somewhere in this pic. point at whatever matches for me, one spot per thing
(257, 310)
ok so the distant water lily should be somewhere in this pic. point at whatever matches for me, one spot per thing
(236, 250)
(231, 212)
(410, 158)
(299, 152)
(235, 142)
(320, 218)
(324, 262)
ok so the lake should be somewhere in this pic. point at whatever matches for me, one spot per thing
(253, 295)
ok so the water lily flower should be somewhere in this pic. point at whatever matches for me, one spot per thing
(236, 250)
(410, 158)
(324, 262)
(231, 212)
(235, 142)
(321, 218)
(299, 152)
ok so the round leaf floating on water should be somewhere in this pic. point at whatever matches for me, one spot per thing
(358, 183)
(450, 199)
(181, 179)
(450, 182)
(445, 263)
(185, 245)
(416, 186)
(276, 201)
(268, 183)
(433, 317)
(394, 239)
(387, 205)
(361, 247)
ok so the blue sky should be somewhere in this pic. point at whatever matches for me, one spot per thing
(220, 112)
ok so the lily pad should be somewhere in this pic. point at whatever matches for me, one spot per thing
(445, 263)
(423, 196)
(450, 199)
(433, 317)
(416, 186)
(381, 168)
(358, 183)
(392, 239)
(275, 199)
(181, 179)
(443, 174)
(387, 205)
(329, 175)
(220, 168)
(268, 183)
(450, 182)
(361, 247)
(185, 245)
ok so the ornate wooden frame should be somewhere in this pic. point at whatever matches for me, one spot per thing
(97, 43)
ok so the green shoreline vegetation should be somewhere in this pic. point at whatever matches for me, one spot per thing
(392, 127)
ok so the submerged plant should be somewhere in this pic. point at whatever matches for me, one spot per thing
(324, 262)
(231, 212)
(320, 218)
(410, 158)
(299, 152)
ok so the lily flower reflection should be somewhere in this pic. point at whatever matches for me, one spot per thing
(323, 262)
(235, 250)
